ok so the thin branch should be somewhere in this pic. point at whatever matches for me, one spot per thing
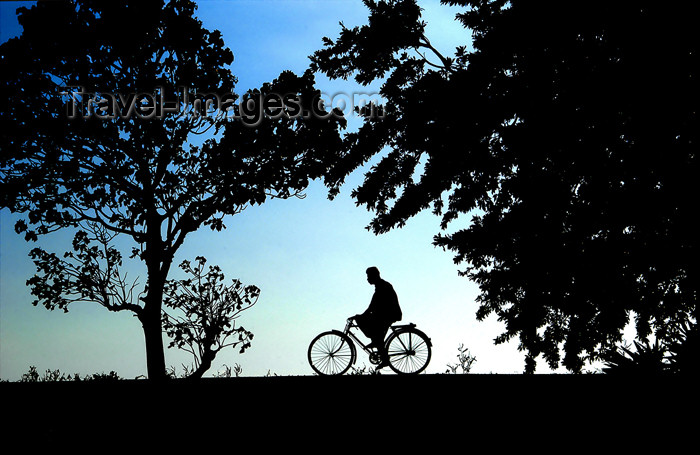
(446, 63)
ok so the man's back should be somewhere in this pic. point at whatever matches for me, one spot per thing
(385, 303)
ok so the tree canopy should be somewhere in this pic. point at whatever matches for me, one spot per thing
(559, 148)
(106, 123)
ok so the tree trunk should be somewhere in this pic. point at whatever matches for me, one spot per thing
(158, 265)
(153, 335)
(207, 360)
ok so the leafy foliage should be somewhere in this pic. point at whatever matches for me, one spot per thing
(683, 344)
(465, 362)
(559, 148)
(90, 272)
(200, 313)
(56, 376)
(645, 359)
(674, 352)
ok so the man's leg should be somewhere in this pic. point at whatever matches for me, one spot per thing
(383, 354)
(369, 329)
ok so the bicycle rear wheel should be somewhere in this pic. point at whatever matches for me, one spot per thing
(409, 351)
(331, 353)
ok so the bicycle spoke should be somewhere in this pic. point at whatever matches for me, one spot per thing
(409, 352)
(330, 354)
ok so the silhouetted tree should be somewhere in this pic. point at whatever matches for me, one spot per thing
(87, 138)
(200, 312)
(562, 146)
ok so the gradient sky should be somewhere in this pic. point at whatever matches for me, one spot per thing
(307, 256)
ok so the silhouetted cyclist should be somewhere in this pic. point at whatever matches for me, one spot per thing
(383, 310)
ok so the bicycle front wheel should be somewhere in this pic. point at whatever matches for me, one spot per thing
(331, 353)
(409, 351)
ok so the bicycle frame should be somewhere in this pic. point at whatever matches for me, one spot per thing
(349, 325)
(352, 324)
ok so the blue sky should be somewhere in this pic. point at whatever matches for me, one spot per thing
(308, 256)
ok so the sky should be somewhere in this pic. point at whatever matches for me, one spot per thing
(308, 256)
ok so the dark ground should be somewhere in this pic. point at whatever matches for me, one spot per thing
(331, 413)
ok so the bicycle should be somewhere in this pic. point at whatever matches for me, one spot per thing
(333, 352)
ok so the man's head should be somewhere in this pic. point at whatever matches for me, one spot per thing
(372, 275)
